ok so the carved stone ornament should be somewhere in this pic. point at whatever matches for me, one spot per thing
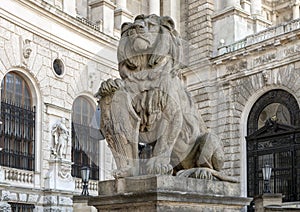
(26, 50)
(60, 136)
(150, 106)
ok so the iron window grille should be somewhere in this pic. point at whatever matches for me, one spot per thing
(17, 136)
(19, 207)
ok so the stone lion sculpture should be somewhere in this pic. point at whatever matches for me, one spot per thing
(150, 105)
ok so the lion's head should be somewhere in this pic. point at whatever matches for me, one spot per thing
(147, 41)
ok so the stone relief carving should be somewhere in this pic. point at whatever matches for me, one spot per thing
(60, 135)
(235, 68)
(65, 173)
(151, 106)
(26, 50)
(264, 59)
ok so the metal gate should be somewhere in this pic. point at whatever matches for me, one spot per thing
(279, 146)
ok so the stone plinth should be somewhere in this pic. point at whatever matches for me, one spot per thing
(59, 175)
(267, 199)
(80, 203)
(167, 193)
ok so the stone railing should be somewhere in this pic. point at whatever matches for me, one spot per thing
(261, 36)
(18, 176)
(92, 187)
(95, 26)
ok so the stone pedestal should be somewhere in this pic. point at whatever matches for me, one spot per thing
(59, 176)
(168, 193)
(267, 199)
(80, 203)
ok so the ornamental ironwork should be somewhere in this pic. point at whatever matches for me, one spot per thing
(17, 136)
(277, 143)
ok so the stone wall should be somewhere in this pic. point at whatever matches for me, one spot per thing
(88, 57)
(245, 75)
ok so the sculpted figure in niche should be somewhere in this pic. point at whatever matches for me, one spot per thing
(150, 105)
(60, 135)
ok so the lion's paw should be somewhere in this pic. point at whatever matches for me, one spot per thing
(121, 173)
(199, 173)
(109, 87)
(160, 168)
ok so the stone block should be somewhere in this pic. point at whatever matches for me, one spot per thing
(167, 193)
(23, 197)
(33, 198)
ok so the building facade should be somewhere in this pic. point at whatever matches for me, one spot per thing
(242, 70)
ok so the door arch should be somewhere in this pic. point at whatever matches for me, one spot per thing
(274, 139)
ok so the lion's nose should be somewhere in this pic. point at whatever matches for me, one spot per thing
(139, 24)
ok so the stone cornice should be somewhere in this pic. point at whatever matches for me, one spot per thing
(230, 11)
(99, 3)
(124, 13)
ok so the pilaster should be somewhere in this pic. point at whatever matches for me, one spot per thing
(256, 7)
(121, 14)
(69, 7)
(231, 3)
(296, 12)
(103, 11)
(154, 7)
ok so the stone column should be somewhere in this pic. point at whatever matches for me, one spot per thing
(121, 13)
(296, 13)
(154, 7)
(69, 7)
(121, 4)
(274, 18)
(102, 12)
(231, 3)
(172, 8)
(256, 7)
(246, 5)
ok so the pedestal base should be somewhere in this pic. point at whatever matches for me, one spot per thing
(168, 193)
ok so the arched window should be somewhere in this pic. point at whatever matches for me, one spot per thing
(85, 138)
(18, 123)
(274, 139)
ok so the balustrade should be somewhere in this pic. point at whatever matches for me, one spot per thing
(261, 36)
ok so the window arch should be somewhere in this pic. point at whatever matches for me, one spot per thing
(17, 136)
(85, 137)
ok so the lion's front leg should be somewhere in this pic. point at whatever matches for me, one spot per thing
(161, 156)
(120, 126)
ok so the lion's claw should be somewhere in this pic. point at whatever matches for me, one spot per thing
(160, 168)
(199, 173)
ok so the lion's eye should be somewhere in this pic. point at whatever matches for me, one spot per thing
(151, 25)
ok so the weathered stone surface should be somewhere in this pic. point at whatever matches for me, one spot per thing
(167, 193)
(150, 106)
